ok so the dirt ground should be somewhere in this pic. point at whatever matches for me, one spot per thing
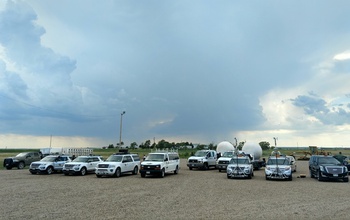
(195, 194)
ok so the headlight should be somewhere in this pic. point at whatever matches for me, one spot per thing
(268, 168)
(322, 168)
(287, 168)
(111, 166)
(346, 169)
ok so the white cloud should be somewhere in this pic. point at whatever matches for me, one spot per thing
(342, 56)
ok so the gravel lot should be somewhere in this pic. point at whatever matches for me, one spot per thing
(192, 194)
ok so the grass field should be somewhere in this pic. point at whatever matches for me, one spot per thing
(184, 153)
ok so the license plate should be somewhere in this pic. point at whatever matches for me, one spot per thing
(148, 172)
(192, 165)
(335, 175)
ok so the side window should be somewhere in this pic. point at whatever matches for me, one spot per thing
(127, 159)
(136, 158)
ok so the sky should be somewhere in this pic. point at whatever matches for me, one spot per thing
(193, 71)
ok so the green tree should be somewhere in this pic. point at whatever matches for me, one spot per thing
(264, 145)
(133, 145)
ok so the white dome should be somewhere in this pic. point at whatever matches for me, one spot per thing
(224, 147)
(252, 148)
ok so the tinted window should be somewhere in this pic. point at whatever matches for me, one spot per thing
(136, 157)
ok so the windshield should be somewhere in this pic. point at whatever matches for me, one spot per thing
(155, 157)
(21, 154)
(239, 161)
(115, 158)
(200, 154)
(278, 161)
(228, 154)
(81, 159)
(49, 159)
(328, 160)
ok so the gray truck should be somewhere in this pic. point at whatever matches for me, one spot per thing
(22, 160)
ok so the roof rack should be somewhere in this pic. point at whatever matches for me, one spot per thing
(165, 150)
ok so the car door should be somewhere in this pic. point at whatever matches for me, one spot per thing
(59, 162)
(127, 164)
(211, 158)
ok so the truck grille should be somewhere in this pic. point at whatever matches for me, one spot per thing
(149, 167)
(193, 161)
(102, 165)
(223, 162)
(35, 165)
(334, 170)
(69, 166)
(8, 161)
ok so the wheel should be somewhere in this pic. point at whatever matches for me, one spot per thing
(49, 170)
(346, 179)
(219, 170)
(8, 168)
(20, 165)
(249, 176)
(319, 177)
(266, 178)
(66, 174)
(136, 170)
(176, 171)
(98, 176)
(83, 171)
(117, 172)
(206, 167)
(290, 178)
(252, 173)
(162, 174)
(228, 176)
(190, 168)
(311, 175)
(32, 172)
(143, 175)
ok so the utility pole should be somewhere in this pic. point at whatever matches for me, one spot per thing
(121, 127)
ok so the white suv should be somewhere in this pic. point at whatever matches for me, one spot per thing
(49, 164)
(240, 167)
(159, 163)
(117, 164)
(82, 165)
(202, 159)
(278, 167)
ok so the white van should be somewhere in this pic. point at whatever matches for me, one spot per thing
(160, 162)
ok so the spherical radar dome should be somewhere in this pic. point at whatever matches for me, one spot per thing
(252, 148)
(224, 147)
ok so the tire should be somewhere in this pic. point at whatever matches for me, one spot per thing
(311, 175)
(206, 167)
(49, 170)
(266, 178)
(176, 171)
(219, 170)
(143, 175)
(346, 179)
(190, 168)
(319, 177)
(83, 171)
(252, 173)
(136, 170)
(228, 176)
(21, 165)
(9, 168)
(66, 174)
(249, 176)
(117, 172)
(32, 172)
(290, 178)
(98, 176)
(162, 174)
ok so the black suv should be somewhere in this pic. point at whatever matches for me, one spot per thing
(326, 168)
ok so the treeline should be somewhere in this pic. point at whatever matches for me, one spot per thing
(163, 144)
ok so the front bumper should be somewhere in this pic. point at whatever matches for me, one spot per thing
(221, 166)
(150, 172)
(195, 165)
(105, 171)
(326, 175)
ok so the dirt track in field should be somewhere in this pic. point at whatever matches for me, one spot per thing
(192, 194)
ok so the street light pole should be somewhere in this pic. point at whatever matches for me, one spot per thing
(121, 126)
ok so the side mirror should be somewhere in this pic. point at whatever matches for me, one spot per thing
(166, 159)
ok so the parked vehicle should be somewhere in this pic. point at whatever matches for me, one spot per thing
(278, 167)
(224, 160)
(160, 162)
(293, 163)
(117, 164)
(82, 165)
(240, 167)
(21, 160)
(255, 152)
(327, 168)
(49, 164)
(202, 159)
